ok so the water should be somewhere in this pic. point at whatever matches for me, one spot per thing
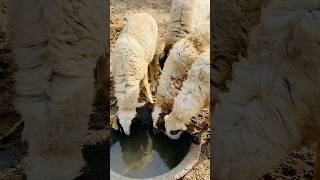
(144, 154)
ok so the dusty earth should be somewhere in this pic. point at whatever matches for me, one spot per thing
(159, 9)
(232, 20)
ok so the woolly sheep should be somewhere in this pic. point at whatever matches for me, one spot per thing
(181, 57)
(56, 47)
(184, 15)
(272, 107)
(194, 95)
(231, 22)
(134, 51)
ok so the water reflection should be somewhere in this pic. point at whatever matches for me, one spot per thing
(143, 154)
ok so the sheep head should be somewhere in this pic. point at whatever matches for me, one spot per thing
(173, 127)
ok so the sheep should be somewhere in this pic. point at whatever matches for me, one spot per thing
(55, 47)
(268, 111)
(184, 15)
(134, 157)
(194, 95)
(181, 57)
(134, 51)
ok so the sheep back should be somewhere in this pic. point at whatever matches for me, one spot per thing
(181, 57)
(184, 14)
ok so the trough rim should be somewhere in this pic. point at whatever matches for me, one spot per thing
(187, 163)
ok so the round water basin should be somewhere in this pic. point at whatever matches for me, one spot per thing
(145, 155)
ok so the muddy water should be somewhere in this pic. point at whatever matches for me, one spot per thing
(144, 154)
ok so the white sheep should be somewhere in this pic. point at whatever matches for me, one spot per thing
(181, 57)
(184, 15)
(56, 46)
(231, 22)
(194, 96)
(273, 106)
(134, 51)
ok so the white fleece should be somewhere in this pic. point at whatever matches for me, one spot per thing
(184, 15)
(273, 102)
(194, 95)
(181, 57)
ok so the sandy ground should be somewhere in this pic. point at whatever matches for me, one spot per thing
(159, 9)
(297, 166)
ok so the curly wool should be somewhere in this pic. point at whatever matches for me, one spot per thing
(268, 112)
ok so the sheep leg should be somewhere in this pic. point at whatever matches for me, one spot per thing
(146, 89)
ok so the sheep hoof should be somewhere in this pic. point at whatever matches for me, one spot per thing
(196, 138)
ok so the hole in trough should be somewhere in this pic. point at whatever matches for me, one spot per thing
(144, 154)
